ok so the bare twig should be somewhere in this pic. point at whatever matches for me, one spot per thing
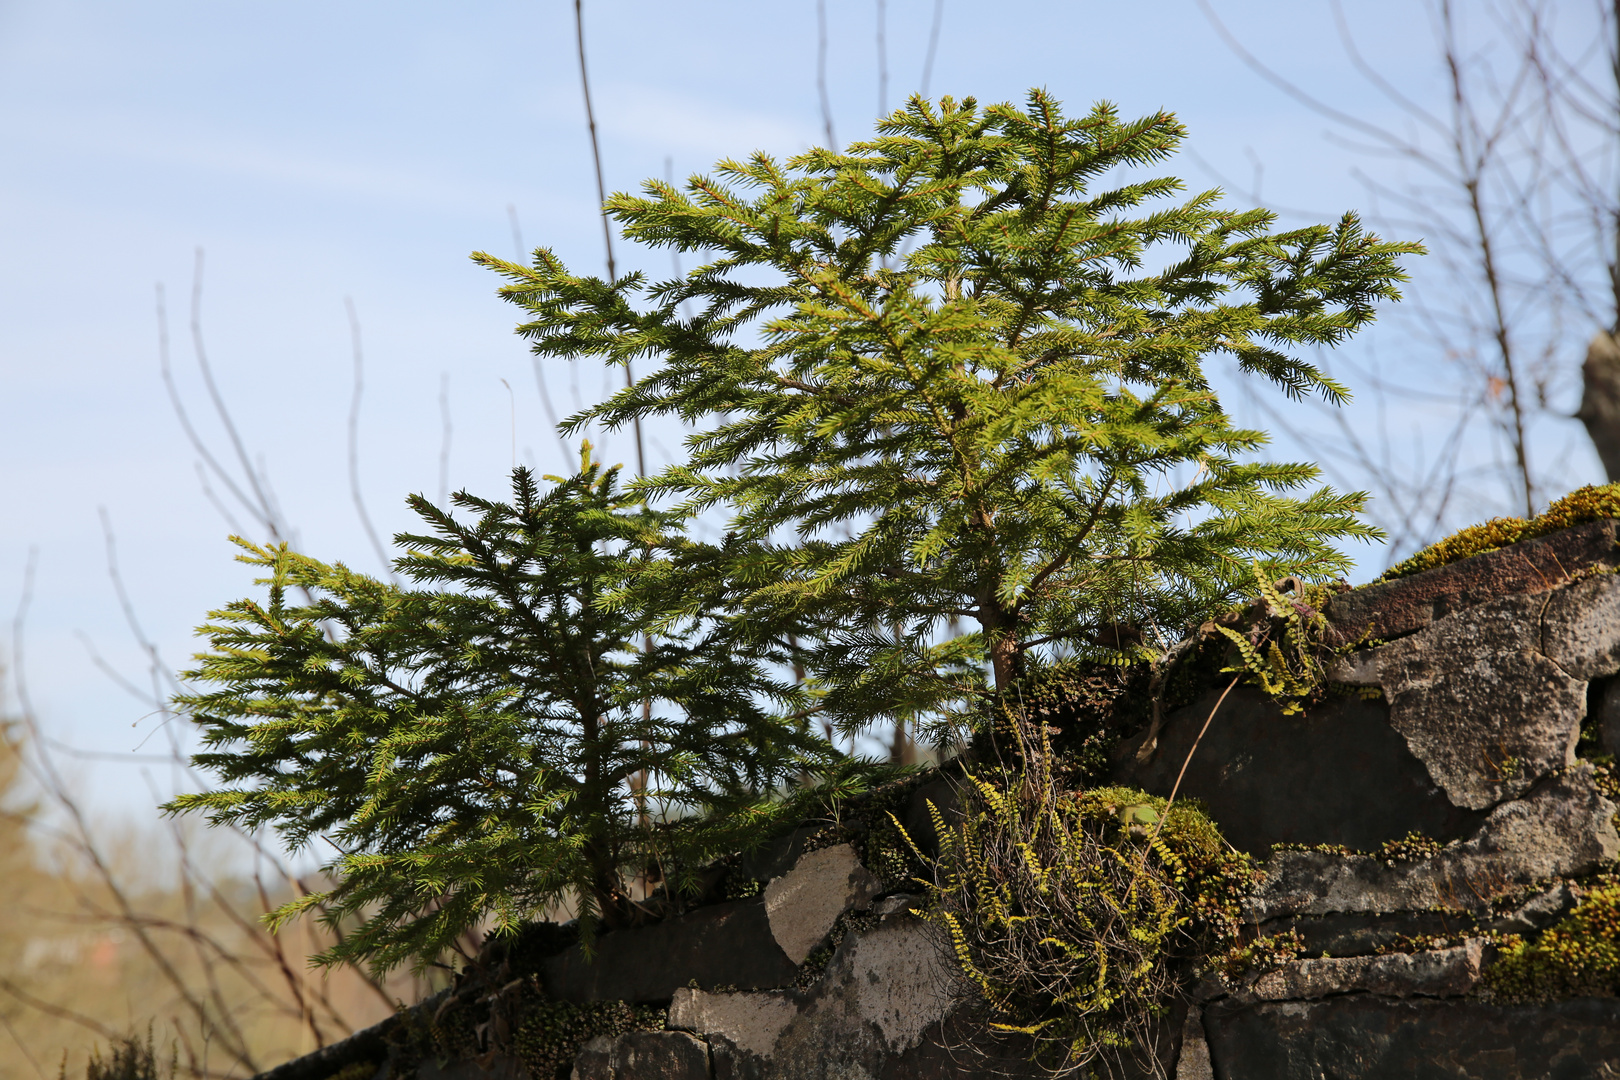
(354, 440)
(821, 74)
(882, 58)
(601, 195)
(933, 46)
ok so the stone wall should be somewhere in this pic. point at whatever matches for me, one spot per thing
(1461, 724)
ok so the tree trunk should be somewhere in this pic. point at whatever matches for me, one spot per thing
(1600, 400)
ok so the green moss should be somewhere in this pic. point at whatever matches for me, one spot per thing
(355, 1070)
(815, 965)
(1076, 914)
(1581, 505)
(1578, 957)
(552, 1032)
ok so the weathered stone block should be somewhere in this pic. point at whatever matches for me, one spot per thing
(1580, 629)
(1363, 1037)
(1439, 973)
(803, 904)
(883, 992)
(1563, 828)
(1395, 608)
(751, 1022)
(1337, 775)
(1193, 1062)
(644, 1055)
(1363, 933)
(727, 944)
(1479, 704)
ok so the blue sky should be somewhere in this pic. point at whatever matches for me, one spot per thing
(360, 150)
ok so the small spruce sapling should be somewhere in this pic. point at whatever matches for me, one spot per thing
(948, 377)
(497, 736)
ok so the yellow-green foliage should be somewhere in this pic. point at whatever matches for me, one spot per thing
(1286, 665)
(1579, 956)
(1072, 912)
(1581, 505)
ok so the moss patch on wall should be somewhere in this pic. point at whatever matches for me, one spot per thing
(1585, 504)
(1578, 957)
(552, 1032)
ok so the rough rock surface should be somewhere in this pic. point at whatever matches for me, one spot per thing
(880, 995)
(1192, 1061)
(727, 944)
(1395, 608)
(751, 1022)
(1580, 629)
(1440, 973)
(1275, 779)
(644, 1055)
(492, 1067)
(1564, 827)
(803, 904)
(1478, 702)
(1363, 933)
(1364, 1037)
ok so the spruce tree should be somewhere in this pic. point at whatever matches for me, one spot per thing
(947, 375)
(497, 736)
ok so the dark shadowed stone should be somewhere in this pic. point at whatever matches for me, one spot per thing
(731, 1062)
(644, 1055)
(1478, 702)
(1274, 779)
(961, 1050)
(1396, 608)
(942, 794)
(1606, 717)
(1361, 934)
(491, 1067)
(726, 944)
(776, 857)
(594, 1060)
(1361, 1037)
(1563, 828)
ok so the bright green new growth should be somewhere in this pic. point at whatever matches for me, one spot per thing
(479, 743)
(947, 376)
